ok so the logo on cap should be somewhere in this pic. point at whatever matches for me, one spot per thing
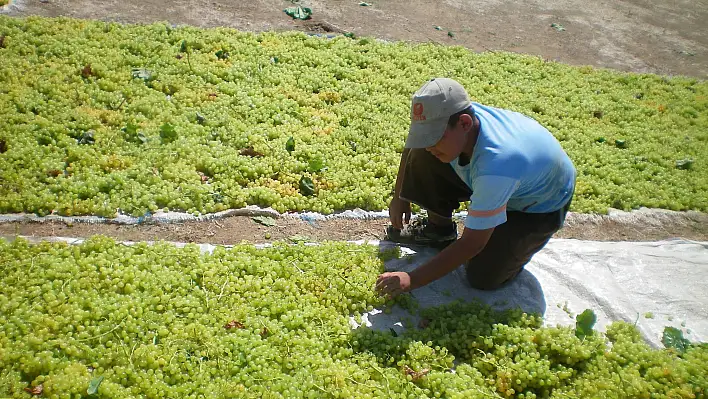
(418, 112)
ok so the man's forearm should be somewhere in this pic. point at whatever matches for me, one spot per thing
(443, 263)
(401, 173)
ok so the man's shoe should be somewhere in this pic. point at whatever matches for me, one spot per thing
(421, 232)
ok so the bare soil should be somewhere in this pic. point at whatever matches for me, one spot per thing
(669, 38)
(237, 229)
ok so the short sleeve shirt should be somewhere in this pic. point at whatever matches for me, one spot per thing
(516, 165)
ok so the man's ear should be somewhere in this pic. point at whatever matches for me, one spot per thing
(466, 122)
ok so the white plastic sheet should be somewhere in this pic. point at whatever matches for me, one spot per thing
(654, 284)
(639, 217)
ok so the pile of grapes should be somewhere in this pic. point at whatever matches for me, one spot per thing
(100, 117)
(97, 118)
(107, 320)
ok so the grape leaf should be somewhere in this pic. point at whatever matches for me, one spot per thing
(584, 323)
(299, 12)
(142, 73)
(94, 384)
(684, 164)
(183, 47)
(86, 138)
(222, 54)
(264, 220)
(299, 238)
(168, 133)
(218, 197)
(673, 338)
(316, 164)
(306, 186)
(132, 134)
(130, 129)
(557, 27)
(620, 143)
(290, 145)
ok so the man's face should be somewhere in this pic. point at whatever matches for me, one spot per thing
(452, 142)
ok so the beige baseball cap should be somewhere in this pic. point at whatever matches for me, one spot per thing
(431, 107)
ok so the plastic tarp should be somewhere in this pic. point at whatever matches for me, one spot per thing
(641, 216)
(652, 284)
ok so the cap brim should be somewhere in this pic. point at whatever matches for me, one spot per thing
(424, 135)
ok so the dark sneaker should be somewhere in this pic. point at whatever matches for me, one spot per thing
(420, 232)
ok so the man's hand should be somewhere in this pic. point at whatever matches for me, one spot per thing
(399, 211)
(392, 284)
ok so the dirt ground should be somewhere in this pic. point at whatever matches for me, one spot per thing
(643, 36)
(236, 229)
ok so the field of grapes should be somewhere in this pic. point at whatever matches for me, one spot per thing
(99, 118)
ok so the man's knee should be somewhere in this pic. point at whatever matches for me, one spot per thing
(492, 278)
(485, 284)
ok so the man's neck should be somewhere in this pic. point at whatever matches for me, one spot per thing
(472, 136)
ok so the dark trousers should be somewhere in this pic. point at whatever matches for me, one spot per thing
(435, 187)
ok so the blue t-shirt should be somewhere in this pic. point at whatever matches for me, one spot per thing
(516, 165)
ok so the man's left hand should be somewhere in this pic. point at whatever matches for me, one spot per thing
(393, 283)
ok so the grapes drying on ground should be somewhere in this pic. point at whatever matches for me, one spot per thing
(99, 118)
(158, 321)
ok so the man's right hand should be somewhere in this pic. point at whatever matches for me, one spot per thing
(399, 211)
